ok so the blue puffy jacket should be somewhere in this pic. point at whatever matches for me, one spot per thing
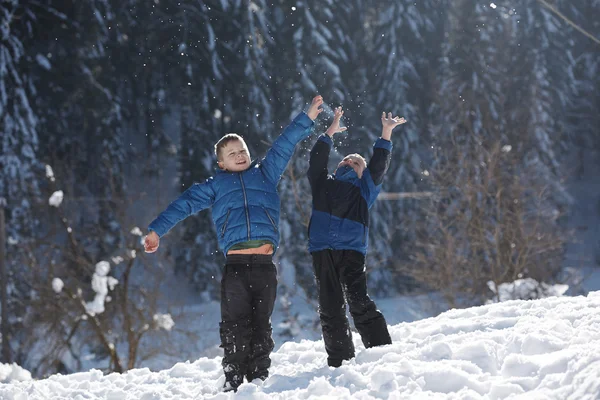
(245, 205)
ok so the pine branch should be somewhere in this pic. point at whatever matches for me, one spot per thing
(573, 24)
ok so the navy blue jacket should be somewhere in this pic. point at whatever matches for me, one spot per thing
(245, 205)
(340, 213)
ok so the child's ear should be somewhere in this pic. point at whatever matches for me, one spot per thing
(221, 165)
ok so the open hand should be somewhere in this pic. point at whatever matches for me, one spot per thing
(151, 242)
(314, 110)
(390, 122)
(335, 125)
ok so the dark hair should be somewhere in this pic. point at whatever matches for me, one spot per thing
(224, 141)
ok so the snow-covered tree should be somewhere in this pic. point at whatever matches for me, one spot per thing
(18, 154)
(584, 119)
(145, 60)
(81, 81)
(492, 170)
(540, 75)
(406, 50)
(81, 113)
(19, 159)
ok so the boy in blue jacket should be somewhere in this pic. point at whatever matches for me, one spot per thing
(245, 210)
(338, 233)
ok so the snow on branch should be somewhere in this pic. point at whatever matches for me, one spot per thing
(101, 284)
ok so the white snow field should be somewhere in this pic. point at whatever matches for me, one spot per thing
(537, 349)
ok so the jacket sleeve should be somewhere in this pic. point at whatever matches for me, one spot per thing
(380, 161)
(372, 178)
(198, 197)
(278, 156)
(319, 157)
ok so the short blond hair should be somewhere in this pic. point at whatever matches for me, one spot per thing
(224, 141)
(356, 155)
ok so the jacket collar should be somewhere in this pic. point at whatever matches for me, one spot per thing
(220, 171)
(346, 174)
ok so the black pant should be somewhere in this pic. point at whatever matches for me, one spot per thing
(339, 274)
(248, 290)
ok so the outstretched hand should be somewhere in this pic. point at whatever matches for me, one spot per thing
(390, 122)
(314, 110)
(335, 125)
(151, 242)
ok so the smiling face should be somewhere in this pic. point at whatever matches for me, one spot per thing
(356, 162)
(234, 156)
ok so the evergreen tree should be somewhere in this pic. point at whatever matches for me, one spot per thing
(146, 64)
(19, 160)
(584, 118)
(81, 114)
(490, 184)
(469, 119)
(541, 76)
(406, 51)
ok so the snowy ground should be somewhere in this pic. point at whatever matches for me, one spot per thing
(539, 349)
(203, 320)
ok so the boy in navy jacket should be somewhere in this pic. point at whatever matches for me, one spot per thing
(338, 233)
(245, 210)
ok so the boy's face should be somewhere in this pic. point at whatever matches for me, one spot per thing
(356, 163)
(234, 156)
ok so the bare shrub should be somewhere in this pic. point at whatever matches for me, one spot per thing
(490, 220)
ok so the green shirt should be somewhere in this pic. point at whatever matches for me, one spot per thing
(252, 244)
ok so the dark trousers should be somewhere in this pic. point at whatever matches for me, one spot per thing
(248, 290)
(341, 276)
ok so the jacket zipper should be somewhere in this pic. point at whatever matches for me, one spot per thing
(225, 223)
(270, 219)
(245, 204)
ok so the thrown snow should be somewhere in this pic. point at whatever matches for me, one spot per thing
(56, 199)
(57, 285)
(537, 349)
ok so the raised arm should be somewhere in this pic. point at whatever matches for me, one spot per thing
(319, 155)
(196, 198)
(278, 156)
(380, 161)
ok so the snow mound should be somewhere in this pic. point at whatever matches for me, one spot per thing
(538, 349)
